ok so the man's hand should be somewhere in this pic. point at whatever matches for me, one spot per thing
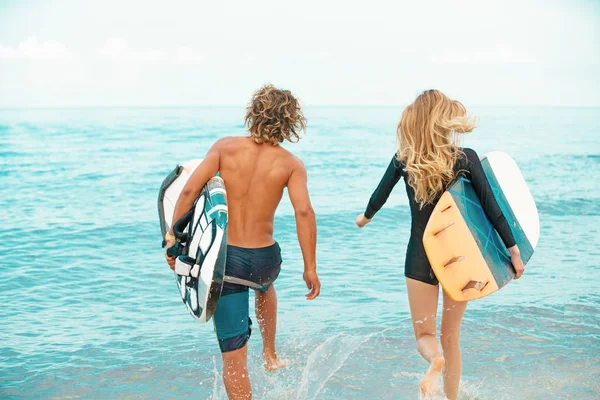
(312, 282)
(170, 259)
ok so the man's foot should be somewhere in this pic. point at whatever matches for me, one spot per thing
(429, 384)
(273, 363)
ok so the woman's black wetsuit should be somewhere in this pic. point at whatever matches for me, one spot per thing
(468, 164)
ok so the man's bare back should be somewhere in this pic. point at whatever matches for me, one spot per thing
(255, 176)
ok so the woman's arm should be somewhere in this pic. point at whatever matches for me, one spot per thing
(388, 181)
(382, 192)
(492, 209)
(487, 199)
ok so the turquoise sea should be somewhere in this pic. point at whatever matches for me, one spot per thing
(89, 309)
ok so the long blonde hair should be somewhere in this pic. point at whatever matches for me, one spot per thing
(426, 136)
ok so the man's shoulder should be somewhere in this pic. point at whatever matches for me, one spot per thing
(293, 160)
(230, 145)
(229, 141)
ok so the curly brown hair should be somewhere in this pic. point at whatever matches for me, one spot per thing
(274, 115)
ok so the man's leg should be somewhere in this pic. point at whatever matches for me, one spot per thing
(266, 313)
(233, 328)
(235, 374)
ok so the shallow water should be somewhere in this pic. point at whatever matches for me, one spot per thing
(90, 310)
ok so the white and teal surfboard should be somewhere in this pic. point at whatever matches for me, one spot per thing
(200, 266)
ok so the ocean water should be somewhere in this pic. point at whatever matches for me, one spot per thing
(89, 309)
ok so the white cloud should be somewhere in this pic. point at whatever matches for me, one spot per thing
(118, 49)
(499, 55)
(248, 58)
(322, 55)
(186, 55)
(34, 49)
(114, 47)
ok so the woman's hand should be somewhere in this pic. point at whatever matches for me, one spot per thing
(515, 259)
(361, 220)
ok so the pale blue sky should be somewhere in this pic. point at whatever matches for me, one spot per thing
(166, 53)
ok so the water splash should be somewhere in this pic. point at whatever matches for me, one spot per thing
(216, 392)
(324, 361)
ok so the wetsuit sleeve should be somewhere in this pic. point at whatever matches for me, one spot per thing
(380, 195)
(487, 199)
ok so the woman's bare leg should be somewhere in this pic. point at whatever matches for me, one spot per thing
(423, 299)
(450, 338)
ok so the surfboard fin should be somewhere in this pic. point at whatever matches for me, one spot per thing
(443, 229)
(454, 260)
(477, 285)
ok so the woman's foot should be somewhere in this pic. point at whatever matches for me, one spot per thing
(272, 362)
(430, 382)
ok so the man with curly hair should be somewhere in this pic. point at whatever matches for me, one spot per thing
(256, 170)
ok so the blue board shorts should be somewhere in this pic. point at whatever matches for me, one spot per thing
(231, 318)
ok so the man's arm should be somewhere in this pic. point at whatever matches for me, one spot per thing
(306, 227)
(206, 170)
(190, 192)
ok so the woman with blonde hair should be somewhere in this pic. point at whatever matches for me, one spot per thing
(429, 160)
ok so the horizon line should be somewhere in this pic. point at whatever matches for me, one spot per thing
(66, 107)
